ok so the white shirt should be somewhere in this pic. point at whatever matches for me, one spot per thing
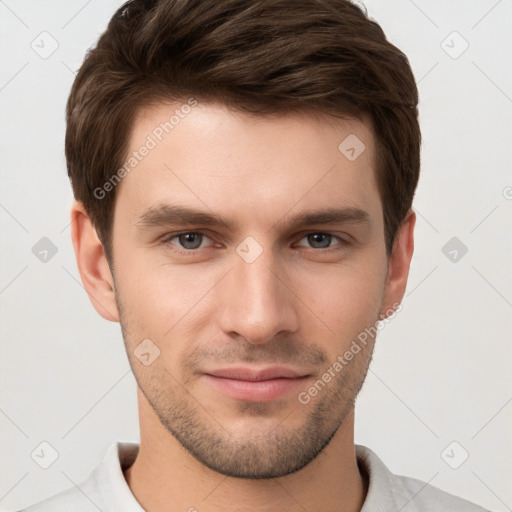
(106, 489)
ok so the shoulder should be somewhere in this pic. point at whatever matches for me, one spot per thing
(104, 489)
(69, 499)
(388, 491)
(425, 497)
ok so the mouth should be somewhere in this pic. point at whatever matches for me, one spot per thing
(251, 385)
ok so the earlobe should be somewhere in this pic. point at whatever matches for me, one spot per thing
(399, 264)
(92, 264)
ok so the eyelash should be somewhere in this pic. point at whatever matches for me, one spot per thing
(167, 241)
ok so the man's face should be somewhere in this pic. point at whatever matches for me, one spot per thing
(263, 290)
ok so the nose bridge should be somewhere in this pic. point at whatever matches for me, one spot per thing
(256, 303)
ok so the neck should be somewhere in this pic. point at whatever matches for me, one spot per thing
(166, 477)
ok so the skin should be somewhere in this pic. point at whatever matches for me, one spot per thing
(301, 303)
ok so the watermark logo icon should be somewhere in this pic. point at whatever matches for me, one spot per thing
(351, 147)
(44, 455)
(454, 249)
(454, 45)
(249, 250)
(44, 250)
(45, 45)
(146, 352)
(454, 455)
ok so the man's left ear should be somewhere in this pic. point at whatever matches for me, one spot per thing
(399, 264)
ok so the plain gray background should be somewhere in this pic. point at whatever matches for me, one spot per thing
(439, 388)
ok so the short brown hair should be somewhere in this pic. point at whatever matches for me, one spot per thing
(258, 56)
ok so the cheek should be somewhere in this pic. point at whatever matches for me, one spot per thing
(162, 299)
(344, 301)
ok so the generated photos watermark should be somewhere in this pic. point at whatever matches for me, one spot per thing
(156, 136)
(344, 359)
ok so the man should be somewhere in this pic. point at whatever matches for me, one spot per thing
(244, 172)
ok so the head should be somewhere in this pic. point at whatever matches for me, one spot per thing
(244, 174)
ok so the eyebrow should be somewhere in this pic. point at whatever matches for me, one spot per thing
(160, 215)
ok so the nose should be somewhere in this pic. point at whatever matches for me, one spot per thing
(257, 301)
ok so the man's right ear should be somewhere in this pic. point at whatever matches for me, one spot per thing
(92, 263)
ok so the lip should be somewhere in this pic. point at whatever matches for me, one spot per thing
(255, 385)
(250, 374)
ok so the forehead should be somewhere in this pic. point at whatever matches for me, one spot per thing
(249, 166)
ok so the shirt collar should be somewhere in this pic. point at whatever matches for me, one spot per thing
(109, 478)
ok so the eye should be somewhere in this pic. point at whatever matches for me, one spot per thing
(322, 240)
(190, 241)
(186, 242)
